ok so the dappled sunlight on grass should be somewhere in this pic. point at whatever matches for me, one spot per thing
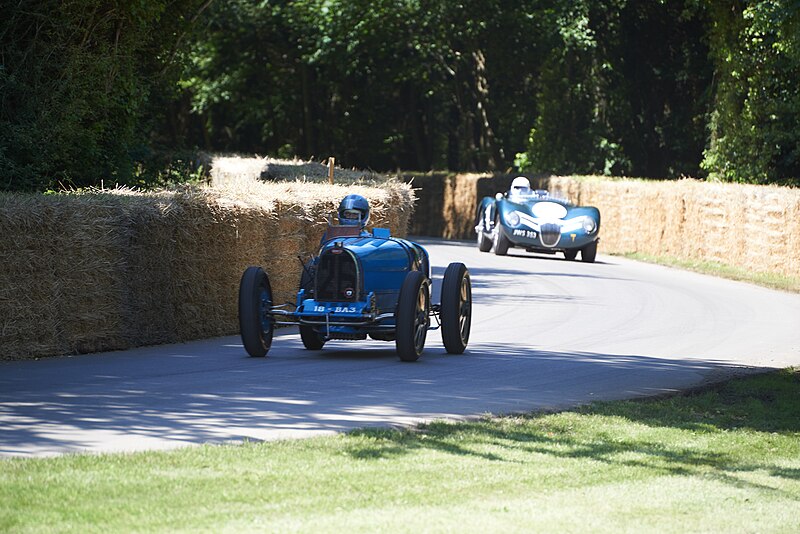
(728, 432)
(726, 457)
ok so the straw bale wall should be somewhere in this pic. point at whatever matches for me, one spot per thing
(116, 269)
(749, 226)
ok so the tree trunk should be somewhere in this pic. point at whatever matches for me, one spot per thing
(490, 154)
(308, 118)
(417, 127)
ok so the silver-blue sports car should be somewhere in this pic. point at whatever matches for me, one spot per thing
(536, 221)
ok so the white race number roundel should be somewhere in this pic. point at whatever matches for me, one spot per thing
(548, 210)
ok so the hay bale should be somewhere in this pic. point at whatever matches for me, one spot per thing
(62, 285)
(27, 319)
(148, 257)
(749, 226)
(114, 269)
(227, 170)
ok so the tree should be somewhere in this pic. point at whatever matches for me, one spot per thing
(76, 79)
(755, 127)
(623, 91)
(379, 83)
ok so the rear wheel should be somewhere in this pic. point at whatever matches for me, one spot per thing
(255, 302)
(312, 340)
(571, 254)
(456, 311)
(413, 316)
(589, 252)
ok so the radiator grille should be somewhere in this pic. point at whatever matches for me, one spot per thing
(551, 233)
(337, 276)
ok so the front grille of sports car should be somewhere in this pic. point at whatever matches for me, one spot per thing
(337, 276)
(550, 233)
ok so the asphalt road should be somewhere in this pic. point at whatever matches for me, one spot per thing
(547, 334)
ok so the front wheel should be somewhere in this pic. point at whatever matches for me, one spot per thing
(501, 242)
(311, 339)
(589, 252)
(571, 254)
(484, 242)
(413, 316)
(255, 303)
(456, 311)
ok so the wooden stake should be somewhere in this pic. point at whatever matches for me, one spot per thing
(331, 161)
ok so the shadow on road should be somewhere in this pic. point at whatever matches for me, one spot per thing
(491, 284)
(191, 396)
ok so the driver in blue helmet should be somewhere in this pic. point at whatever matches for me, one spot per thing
(354, 211)
(353, 215)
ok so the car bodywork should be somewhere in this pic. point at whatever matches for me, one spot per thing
(356, 286)
(361, 285)
(537, 222)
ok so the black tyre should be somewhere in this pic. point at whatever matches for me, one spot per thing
(255, 302)
(501, 242)
(589, 252)
(412, 317)
(570, 255)
(311, 340)
(456, 314)
(484, 242)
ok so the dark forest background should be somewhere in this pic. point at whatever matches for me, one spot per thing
(127, 91)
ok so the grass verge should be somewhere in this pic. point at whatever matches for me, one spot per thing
(722, 459)
(771, 280)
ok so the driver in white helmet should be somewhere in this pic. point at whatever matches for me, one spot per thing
(520, 186)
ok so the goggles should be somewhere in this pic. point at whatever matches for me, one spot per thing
(351, 214)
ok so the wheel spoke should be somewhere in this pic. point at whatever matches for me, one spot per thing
(465, 309)
(265, 305)
(421, 319)
(420, 329)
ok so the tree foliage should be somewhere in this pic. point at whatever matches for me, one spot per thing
(92, 91)
(76, 81)
(755, 127)
(625, 91)
(589, 86)
(378, 83)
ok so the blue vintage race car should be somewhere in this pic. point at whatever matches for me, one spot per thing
(538, 222)
(360, 285)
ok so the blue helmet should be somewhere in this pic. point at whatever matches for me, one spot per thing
(354, 211)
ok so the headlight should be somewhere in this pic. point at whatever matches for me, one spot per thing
(589, 226)
(512, 218)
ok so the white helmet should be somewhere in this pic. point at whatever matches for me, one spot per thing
(520, 185)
